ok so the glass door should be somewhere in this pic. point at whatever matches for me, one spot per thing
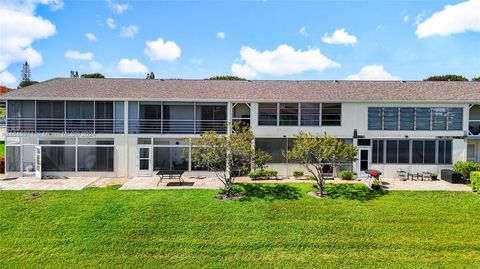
(144, 161)
(364, 156)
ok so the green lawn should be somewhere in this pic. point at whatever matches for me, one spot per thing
(277, 226)
(2, 148)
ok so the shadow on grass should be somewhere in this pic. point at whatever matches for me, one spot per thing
(268, 192)
(357, 192)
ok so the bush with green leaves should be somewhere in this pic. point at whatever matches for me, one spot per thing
(262, 173)
(475, 180)
(376, 185)
(346, 174)
(298, 173)
(465, 168)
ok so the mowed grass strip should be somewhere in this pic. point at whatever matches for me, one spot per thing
(275, 226)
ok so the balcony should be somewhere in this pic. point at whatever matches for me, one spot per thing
(92, 126)
(157, 126)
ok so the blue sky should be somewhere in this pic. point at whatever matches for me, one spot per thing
(407, 40)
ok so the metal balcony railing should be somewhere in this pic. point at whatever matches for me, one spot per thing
(147, 126)
(41, 125)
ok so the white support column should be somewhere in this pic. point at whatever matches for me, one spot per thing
(229, 118)
(125, 135)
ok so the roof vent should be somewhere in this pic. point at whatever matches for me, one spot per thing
(403, 81)
(336, 80)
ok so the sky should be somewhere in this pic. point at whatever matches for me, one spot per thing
(295, 40)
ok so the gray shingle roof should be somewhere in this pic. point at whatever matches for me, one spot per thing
(256, 90)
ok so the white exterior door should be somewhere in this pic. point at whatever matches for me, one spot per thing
(144, 161)
(364, 161)
(38, 162)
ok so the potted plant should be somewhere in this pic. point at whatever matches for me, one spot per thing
(434, 176)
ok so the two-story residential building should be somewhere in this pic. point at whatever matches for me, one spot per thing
(133, 127)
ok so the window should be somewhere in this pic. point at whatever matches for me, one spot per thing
(103, 110)
(429, 153)
(273, 146)
(363, 142)
(21, 109)
(79, 110)
(403, 151)
(445, 151)
(455, 118)
(289, 114)
(407, 118)
(377, 151)
(375, 118)
(267, 114)
(390, 118)
(392, 151)
(310, 114)
(417, 151)
(471, 152)
(422, 118)
(331, 114)
(13, 158)
(50, 116)
(439, 119)
(98, 159)
(58, 159)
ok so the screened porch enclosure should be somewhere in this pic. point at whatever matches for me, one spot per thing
(177, 117)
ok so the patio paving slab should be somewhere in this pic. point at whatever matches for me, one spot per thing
(435, 185)
(152, 183)
(33, 183)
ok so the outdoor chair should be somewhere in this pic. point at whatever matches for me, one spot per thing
(402, 175)
(427, 176)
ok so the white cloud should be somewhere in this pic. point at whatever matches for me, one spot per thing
(7, 78)
(117, 7)
(419, 17)
(162, 50)
(221, 35)
(340, 36)
(20, 28)
(196, 61)
(372, 72)
(133, 66)
(452, 19)
(380, 27)
(77, 55)
(284, 60)
(111, 23)
(243, 71)
(129, 31)
(91, 37)
(95, 66)
(406, 18)
(303, 31)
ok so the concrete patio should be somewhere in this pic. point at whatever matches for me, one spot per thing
(33, 183)
(153, 183)
(435, 185)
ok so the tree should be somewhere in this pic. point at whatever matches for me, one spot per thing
(73, 74)
(26, 74)
(228, 156)
(150, 75)
(93, 75)
(476, 79)
(314, 153)
(26, 83)
(448, 77)
(225, 78)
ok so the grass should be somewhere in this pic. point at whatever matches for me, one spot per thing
(2, 149)
(274, 226)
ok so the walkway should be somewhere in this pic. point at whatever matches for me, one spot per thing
(33, 183)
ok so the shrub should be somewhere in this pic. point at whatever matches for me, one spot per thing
(475, 180)
(465, 168)
(311, 177)
(262, 173)
(346, 174)
(298, 173)
(376, 185)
